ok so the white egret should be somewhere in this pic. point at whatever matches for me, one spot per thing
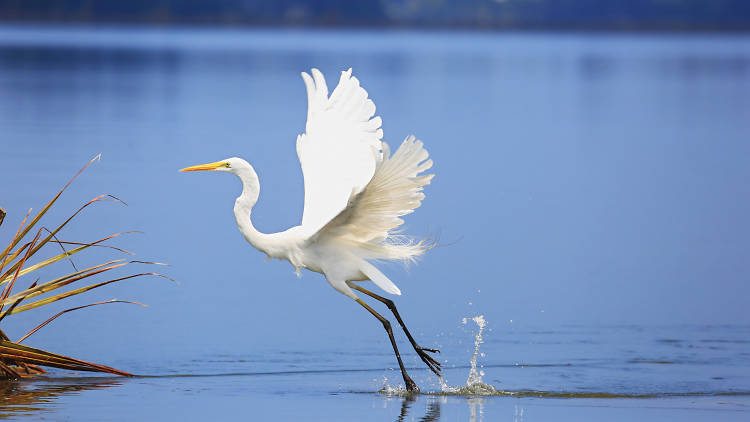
(355, 194)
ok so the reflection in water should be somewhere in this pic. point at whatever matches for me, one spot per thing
(432, 413)
(32, 396)
(476, 409)
(519, 414)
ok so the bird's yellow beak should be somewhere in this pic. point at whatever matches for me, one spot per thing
(209, 166)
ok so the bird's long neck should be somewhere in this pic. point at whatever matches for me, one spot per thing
(243, 208)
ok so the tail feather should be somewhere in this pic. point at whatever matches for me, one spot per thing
(379, 278)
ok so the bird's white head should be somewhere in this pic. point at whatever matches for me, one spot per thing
(245, 202)
(231, 165)
(240, 168)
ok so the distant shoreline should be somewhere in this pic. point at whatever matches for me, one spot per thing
(239, 24)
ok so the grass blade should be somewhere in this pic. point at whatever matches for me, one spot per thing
(16, 303)
(98, 246)
(62, 281)
(18, 259)
(9, 287)
(54, 259)
(48, 286)
(44, 210)
(15, 240)
(56, 240)
(38, 327)
(10, 372)
(78, 291)
(18, 352)
(54, 232)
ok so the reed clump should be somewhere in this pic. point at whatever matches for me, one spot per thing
(29, 251)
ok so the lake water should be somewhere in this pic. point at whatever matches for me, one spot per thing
(568, 373)
(591, 201)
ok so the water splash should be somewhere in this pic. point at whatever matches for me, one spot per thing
(391, 390)
(475, 388)
(475, 385)
(475, 374)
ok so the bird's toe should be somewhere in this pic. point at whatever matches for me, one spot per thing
(411, 386)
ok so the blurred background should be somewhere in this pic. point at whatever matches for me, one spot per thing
(721, 15)
(591, 161)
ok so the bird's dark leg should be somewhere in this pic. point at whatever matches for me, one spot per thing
(431, 363)
(411, 386)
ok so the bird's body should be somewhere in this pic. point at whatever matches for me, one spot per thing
(355, 194)
(294, 245)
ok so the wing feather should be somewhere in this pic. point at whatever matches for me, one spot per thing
(372, 215)
(340, 148)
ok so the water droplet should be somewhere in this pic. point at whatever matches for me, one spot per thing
(474, 384)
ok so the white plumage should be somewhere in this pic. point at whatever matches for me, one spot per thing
(355, 191)
(340, 148)
(355, 195)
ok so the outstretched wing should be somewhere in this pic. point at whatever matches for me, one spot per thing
(373, 214)
(367, 223)
(340, 148)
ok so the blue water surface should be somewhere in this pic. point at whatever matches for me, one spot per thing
(590, 200)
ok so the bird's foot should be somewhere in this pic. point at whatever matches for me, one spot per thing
(431, 363)
(411, 386)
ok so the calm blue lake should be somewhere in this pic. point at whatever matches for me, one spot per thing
(590, 200)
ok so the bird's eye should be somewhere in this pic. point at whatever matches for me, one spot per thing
(225, 165)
